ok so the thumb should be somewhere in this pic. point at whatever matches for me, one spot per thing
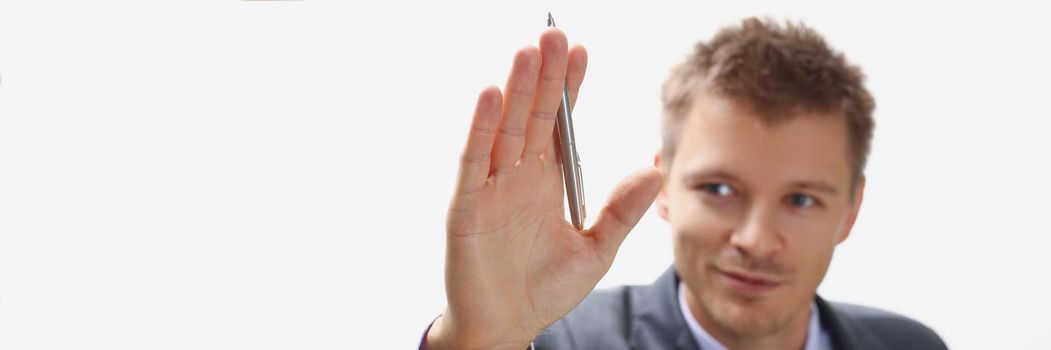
(629, 201)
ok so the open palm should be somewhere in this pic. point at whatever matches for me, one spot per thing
(514, 265)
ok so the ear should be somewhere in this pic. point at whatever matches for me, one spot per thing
(859, 195)
(662, 197)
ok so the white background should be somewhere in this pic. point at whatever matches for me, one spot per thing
(274, 175)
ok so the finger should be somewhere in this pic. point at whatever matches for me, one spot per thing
(475, 159)
(578, 63)
(518, 96)
(629, 201)
(549, 87)
(553, 151)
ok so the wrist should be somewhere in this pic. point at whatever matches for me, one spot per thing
(444, 334)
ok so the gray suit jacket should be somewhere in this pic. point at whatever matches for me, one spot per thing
(648, 317)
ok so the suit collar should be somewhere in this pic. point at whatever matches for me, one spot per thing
(844, 331)
(657, 319)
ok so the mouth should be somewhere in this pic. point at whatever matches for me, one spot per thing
(748, 284)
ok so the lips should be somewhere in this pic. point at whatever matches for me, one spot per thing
(748, 283)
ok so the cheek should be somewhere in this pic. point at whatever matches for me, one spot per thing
(810, 247)
(814, 265)
(812, 230)
(699, 230)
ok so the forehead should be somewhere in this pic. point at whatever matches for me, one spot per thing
(719, 134)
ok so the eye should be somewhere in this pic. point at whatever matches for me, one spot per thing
(718, 189)
(801, 200)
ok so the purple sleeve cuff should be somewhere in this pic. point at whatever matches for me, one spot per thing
(423, 339)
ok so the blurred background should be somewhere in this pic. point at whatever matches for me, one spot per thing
(275, 174)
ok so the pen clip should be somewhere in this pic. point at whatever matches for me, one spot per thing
(580, 186)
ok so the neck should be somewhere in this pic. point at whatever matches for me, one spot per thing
(792, 335)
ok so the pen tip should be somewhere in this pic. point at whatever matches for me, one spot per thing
(550, 20)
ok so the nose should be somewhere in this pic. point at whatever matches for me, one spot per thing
(758, 236)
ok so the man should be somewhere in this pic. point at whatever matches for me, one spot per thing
(766, 133)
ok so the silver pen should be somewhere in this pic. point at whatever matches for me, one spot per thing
(570, 158)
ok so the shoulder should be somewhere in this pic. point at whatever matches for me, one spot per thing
(869, 325)
(602, 320)
(621, 318)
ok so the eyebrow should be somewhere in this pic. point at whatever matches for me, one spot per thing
(819, 186)
(696, 176)
(814, 185)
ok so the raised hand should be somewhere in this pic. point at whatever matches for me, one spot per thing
(514, 265)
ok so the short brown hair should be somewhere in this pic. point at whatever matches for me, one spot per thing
(777, 70)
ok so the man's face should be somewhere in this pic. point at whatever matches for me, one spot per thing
(757, 210)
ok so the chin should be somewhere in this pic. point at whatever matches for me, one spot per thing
(745, 317)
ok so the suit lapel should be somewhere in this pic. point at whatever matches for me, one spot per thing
(657, 322)
(845, 335)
